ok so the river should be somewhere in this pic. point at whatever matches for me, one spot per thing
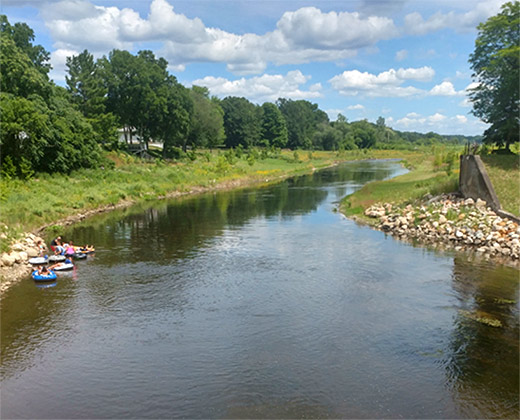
(261, 303)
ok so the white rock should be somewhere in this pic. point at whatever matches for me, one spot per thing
(17, 247)
(8, 259)
(31, 252)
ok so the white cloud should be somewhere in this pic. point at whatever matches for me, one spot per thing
(415, 24)
(309, 27)
(300, 36)
(401, 55)
(445, 89)
(265, 88)
(387, 83)
(438, 123)
(354, 107)
(59, 67)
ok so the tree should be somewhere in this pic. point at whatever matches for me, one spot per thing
(302, 118)
(22, 35)
(41, 130)
(241, 122)
(327, 137)
(18, 73)
(174, 123)
(364, 134)
(495, 64)
(88, 91)
(207, 119)
(274, 127)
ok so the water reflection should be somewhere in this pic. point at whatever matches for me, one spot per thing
(484, 346)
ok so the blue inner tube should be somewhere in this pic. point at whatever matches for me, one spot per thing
(43, 277)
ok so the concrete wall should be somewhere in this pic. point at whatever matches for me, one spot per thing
(474, 183)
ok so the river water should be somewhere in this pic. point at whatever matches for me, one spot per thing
(261, 303)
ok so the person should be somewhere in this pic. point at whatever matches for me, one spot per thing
(60, 264)
(41, 248)
(42, 270)
(69, 251)
(56, 245)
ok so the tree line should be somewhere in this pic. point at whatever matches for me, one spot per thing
(49, 128)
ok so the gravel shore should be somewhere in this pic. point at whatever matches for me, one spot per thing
(454, 222)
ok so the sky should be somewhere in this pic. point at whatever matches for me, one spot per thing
(403, 60)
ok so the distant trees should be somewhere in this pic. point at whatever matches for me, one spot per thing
(53, 129)
(302, 118)
(495, 64)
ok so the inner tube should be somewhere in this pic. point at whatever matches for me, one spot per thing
(57, 258)
(38, 260)
(64, 267)
(77, 256)
(84, 250)
(44, 277)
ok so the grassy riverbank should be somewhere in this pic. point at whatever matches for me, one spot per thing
(47, 199)
(426, 176)
(504, 173)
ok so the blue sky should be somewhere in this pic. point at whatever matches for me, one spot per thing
(406, 61)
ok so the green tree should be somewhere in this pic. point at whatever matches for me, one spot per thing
(18, 74)
(207, 119)
(174, 124)
(364, 134)
(327, 137)
(23, 36)
(274, 127)
(495, 64)
(40, 129)
(302, 118)
(241, 122)
(88, 91)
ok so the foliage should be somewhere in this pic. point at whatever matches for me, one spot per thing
(274, 127)
(241, 122)
(503, 172)
(496, 69)
(41, 131)
(206, 121)
(405, 189)
(88, 91)
(302, 119)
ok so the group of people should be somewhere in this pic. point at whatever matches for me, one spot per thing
(60, 248)
(67, 249)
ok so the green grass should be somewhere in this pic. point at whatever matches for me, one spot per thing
(28, 205)
(504, 173)
(423, 179)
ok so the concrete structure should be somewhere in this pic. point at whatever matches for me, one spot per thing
(474, 183)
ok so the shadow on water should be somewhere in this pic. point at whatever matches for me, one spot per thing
(482, 363)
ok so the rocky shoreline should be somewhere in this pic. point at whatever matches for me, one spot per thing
(452, 222)
(14, 265)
